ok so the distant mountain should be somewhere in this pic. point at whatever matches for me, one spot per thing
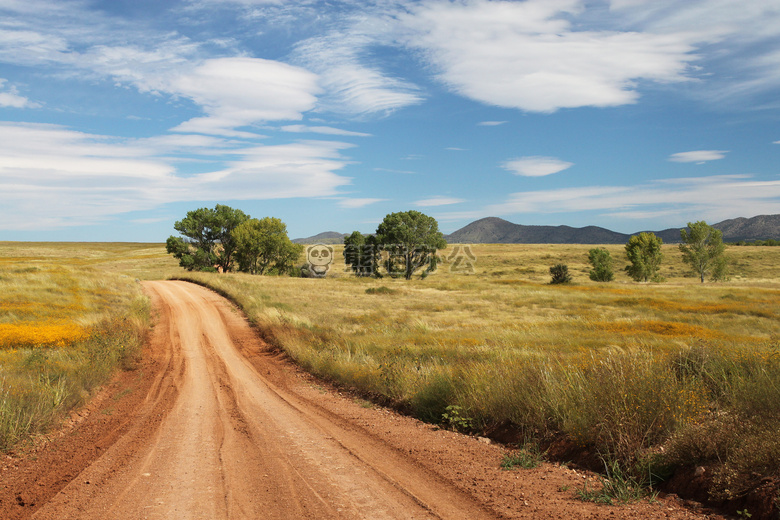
(494, 230)
(762, 227)
(329, 237)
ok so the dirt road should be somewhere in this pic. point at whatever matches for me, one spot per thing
(235, 446)
(228, 429)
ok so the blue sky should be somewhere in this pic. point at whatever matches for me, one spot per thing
(119, 116)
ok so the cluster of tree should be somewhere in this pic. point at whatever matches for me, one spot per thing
(404, 243)
(219, 239)
(702, 249)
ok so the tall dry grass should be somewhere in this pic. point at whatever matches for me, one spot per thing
(620, 368)
(68, 319)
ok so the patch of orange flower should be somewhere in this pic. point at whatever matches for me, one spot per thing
(32, 335)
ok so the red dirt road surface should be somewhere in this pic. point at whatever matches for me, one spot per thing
(220, 427)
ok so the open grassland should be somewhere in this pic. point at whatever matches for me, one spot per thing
(69, 315)
(651, 375)
(654, 376)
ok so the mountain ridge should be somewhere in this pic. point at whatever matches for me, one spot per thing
(495, 230)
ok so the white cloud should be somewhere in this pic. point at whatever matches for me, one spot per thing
(536, 166)
(328, 130)
(51, 176)
(527, 55)
(698, 156)
(357, 203)
(236, 92)
(390, 170)
(738, 41)
(438, 200)
(11, 98)
(233, 92)
(352, 86)
(491, 123)
(28, 47)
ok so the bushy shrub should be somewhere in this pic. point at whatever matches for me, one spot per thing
(560, 274)
(601, 261)
(644, 253)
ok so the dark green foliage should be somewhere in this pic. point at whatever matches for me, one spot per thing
(380, 290)
(601, 261)
(703, 249)
(208, 243)
(769, 242)
(262, 247)
(560, 274)
(410, 240)
(362, 254)
(456, 419)
(431, 402)
(644, 253)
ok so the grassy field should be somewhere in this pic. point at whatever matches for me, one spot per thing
(652, 376)
(631, 371)
(69, 315)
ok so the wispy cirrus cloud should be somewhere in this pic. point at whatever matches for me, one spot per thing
(9, 97)
(438, 200)
(354, 203)
(352, 84)
(394, 171)
(327, 130)
(712, 198)
(232, 92)
(736, 40)
(698, 156)
(536, 166)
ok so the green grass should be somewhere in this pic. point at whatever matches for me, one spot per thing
(527, 456)
(616, 487)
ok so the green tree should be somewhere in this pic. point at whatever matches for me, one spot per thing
(703, 249)
(644, 253)
(207, 243)
(411, 240)
(262, 246)
(362, 254)
(560, 274)
(601, 261)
